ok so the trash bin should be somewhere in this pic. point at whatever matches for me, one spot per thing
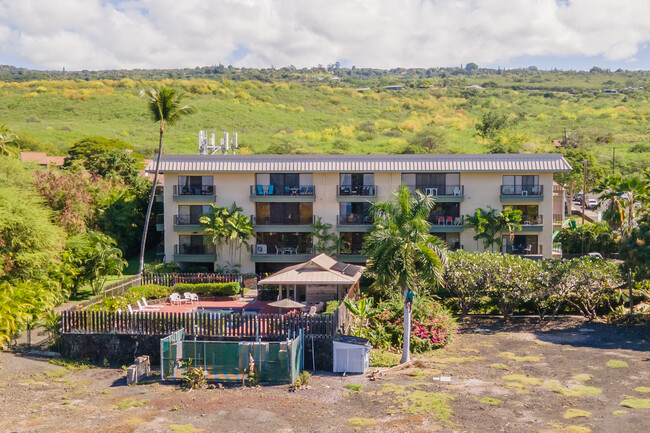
(351, 354)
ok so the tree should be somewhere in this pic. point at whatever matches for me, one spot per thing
(229, 227)
(491, 123)
(628, 190)
(401, 250)
(635, 249)
(325, 241)
(165, 108)
(93, 256)
(489, 224)
(114, 165)
(362, 310)
(428, 140)
(6, 137)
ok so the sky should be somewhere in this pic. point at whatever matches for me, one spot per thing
(114, 34)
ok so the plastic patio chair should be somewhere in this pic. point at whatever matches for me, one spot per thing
(175, 298)
(449, 220)
(260, 190)
(271, 189)
(441, 220)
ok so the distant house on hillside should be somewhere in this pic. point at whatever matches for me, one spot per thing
(41, 158)
(394, 87)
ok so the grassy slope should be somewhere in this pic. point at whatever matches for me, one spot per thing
(317, 118)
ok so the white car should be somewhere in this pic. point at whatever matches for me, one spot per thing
(592, 203)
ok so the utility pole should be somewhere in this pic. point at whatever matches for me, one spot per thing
(584, 189)
(584, 199)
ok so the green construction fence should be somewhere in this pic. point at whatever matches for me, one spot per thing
(275, 362)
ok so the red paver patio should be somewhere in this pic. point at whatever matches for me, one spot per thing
(245, 303)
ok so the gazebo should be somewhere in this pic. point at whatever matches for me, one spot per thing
(321, 279)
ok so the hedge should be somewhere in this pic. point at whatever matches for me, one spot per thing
(209, 289)
(150, 291)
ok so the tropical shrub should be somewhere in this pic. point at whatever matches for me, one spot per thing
(209, 289)
(433, 325)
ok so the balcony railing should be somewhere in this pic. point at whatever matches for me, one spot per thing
(283, 220)
(193, 189)
(532, 220)
(436, 190)
(523, 190)
(194, 249)
(277, 249)
(353, 249)
(356, 190)
(530, 249)
(302, 190)
(557, 218)
(184, 220)
(352, 219)
(447, 220)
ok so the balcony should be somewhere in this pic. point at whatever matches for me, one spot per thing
(346, 193)
(186, 223)
(283, 224)
(442, 193)
(532, 223)
(522, 193)
(447, 224)
(160, 222)
(194, 193)
(558, 218)
(532, 251)
(271, 253)
(194, 253)
(354, 223)
(271, 193)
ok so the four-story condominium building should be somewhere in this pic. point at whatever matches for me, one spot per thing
(285, 194)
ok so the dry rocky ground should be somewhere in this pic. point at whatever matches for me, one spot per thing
(560, 376)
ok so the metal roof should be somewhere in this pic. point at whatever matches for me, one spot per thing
(536, 162)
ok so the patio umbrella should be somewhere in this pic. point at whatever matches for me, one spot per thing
(286, 303)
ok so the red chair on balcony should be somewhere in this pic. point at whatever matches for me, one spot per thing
(441, 220)
(449, 220)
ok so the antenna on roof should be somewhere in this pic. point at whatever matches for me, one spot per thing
(207, 143)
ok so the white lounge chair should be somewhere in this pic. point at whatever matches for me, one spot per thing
(143, 308)
(146, 305)
(128, 306)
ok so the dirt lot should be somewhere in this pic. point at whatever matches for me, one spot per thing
(565, 376)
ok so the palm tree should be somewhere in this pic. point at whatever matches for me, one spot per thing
(622, 191)
(401, 251)
(489, 224)
(165, 108)
(6, 137)
(228, 226)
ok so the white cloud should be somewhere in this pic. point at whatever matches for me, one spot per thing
(98, 34)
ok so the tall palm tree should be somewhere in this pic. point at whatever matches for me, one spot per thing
(401, 252)
(165, 108)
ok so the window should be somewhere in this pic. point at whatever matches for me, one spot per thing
(529, 213)
(441, 183)
(195, 185)
(521, 184)
(278, 243)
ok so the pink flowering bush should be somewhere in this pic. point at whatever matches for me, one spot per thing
(432, 325)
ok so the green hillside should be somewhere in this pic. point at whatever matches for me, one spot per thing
(290, 111)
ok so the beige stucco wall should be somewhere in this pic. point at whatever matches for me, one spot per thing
(228, 187)
(481, 190)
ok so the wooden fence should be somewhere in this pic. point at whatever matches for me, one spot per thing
(118, 288)
(194, 278)
(197, 324)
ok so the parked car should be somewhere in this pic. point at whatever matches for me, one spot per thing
(592, 203)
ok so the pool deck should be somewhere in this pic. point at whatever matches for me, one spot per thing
(244, 303)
